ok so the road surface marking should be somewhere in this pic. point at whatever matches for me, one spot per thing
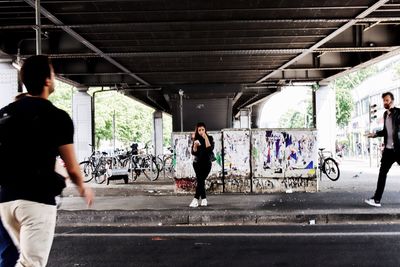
(227, 234)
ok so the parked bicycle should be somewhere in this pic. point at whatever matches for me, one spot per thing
(95, 167)
(328, 165)
(167, 165)
(142, 163)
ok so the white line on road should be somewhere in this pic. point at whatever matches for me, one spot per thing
(227, 234)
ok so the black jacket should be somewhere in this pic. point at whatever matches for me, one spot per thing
(396, 128)
(202, 155)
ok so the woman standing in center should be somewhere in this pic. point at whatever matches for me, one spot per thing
(202, 149)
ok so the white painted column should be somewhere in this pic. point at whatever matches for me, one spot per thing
(326, 117)
(236, 123)
(245, 118)
(8, 83)
(82, 117)
(158, 133)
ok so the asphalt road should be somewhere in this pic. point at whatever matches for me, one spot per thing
(310, 245)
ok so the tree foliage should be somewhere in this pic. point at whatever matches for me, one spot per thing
(62, 96)
(344, 106)
(343, 86)
(297, 118)
(133, 120)
(397, 69)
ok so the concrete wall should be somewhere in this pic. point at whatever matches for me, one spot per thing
(215, 113)
(284, 160)
(236, 157)
(184, 173)
(259, 161)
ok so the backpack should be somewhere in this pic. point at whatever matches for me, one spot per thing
(8, 134)
(13, 128)
(16, 129)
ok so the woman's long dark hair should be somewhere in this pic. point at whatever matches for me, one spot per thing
(197, 136)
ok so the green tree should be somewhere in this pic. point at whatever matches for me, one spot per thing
(397, 69)
(133, 120)
(167, 129)
(298, 118)
(344, 106)
(292, 119)
(343, 86)
(62, 96)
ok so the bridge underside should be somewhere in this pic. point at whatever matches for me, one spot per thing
(235, 53)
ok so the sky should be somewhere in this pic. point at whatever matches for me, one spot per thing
(290, 97)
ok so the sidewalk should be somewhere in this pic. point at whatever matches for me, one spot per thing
(154, 204)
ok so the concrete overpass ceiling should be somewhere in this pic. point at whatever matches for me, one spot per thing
(241, 50)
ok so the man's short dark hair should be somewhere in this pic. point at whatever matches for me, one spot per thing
(388, 94)
(34, 73)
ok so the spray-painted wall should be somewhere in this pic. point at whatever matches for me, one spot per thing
(259, 160)
(184, 172)
(236, 158)
(284, 160)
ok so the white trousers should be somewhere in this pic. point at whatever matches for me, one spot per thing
(31, 226)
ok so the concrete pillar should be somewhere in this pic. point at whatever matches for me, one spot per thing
(82, 117)
(8, 83)
(326, 117)
(245, 118)
(236, 123)
(158, 133)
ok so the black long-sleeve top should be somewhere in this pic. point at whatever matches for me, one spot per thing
(202, 155)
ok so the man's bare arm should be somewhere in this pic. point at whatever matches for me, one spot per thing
(67, 154)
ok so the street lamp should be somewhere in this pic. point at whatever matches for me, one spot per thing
(181, 107)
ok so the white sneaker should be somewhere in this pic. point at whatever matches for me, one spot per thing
(373, 202)
(204, 202)
(194, 203)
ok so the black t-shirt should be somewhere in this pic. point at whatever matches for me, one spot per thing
(32, 162)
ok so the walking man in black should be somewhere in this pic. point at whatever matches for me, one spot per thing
(391, 152)
(29, 186)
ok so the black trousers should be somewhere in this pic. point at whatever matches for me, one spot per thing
(388, 158)
(202, 169)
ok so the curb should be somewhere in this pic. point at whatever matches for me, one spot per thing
(214, 217)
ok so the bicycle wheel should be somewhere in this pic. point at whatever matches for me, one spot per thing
(169, 167)
(331, 169)
(151, 170)
(86, 170)
(100, 173)
(100, 176)
(132, 174)
(160, 163)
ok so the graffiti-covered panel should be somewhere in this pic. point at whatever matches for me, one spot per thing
(301, 154)
(182, 144)
(237, 160)
(284, 160)
(259, 161)
(184, 172)
(284, 153)
(271, 185)
(268, 153)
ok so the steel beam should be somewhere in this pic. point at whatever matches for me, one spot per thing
(78, 37)
(327, 38)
